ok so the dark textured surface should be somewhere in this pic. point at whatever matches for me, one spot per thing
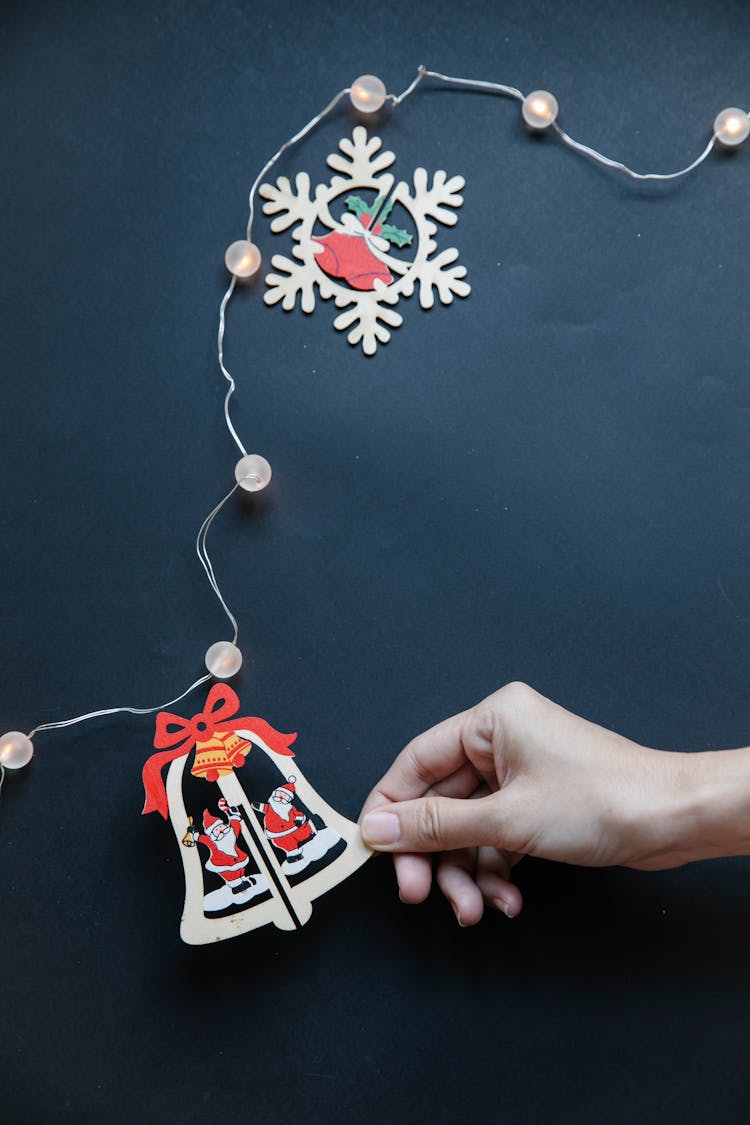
(547, 481)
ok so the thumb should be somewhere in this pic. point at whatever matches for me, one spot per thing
(435, 824)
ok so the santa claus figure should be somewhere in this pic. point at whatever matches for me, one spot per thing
(286, 826)
(225, 857)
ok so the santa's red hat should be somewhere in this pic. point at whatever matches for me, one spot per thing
(287, 787)
(209, 820)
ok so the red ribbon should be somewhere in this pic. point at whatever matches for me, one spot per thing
(176, 737)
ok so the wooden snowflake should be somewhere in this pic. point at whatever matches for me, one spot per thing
(346, 248)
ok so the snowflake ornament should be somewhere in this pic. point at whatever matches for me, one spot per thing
(347, 249)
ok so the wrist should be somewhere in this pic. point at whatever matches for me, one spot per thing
(700, 810)
(719, 787)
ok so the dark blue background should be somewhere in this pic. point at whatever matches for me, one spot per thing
(547, 481)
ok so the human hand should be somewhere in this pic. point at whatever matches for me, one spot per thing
(518, 775)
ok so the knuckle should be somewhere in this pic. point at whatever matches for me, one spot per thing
(418, 768)
(428, 824)
(517, 695)
(484, 717)
(496, 718)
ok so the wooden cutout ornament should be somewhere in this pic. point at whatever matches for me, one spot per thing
(362, 260)
(257, 850)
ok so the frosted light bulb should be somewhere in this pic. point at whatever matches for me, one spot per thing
(16, 750)
(539, 109)
(252, 472)
(367, 93)
(242, 258)
(223, 660)
(731, 126)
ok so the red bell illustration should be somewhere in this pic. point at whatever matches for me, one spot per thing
(352, 253)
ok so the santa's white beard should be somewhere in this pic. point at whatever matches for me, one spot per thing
(227, 843)
(281, 808)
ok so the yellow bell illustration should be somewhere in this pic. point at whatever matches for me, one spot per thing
(218, 757)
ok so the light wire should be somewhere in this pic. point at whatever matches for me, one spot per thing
(288, 144)
(201, 547)
(585, 150)
(327, 109)
(227, 375)
(620, 167)
(202, 552)
(118, 710)
(470, 83)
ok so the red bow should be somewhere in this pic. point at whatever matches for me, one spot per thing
(176, 737)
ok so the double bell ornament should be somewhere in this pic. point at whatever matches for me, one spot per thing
(258, 843)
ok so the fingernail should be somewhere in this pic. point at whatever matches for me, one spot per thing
(379, 828)
(504, 907)
(458, 919)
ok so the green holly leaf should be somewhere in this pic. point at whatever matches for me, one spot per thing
(395, 235)
(386, 210)
(358, 205)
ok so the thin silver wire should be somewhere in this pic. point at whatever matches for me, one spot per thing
(251, 204)
(201, 547)
(201, 538)
(473, 83)
(227, 375)
(620, 167)
(118, 710)
(397, 99)
(288, 144)
(201, 550)
(577, 146)
(205, 559)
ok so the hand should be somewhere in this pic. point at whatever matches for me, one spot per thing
(517, 775)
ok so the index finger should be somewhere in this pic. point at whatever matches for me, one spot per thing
(426, 760)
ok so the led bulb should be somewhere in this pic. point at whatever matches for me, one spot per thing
(731, 126)
(252, 472)
(242, 258)
(16, 750)
(367, 93)
(223, 660)
(539, 109)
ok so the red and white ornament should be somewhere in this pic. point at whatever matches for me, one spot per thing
(238, 867)
(363, 262)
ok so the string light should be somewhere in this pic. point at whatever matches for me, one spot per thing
(367, 94)
(223, 660)
(16, 750)
(731, 126)
(539, 109)
(252, 472)
(242, 258)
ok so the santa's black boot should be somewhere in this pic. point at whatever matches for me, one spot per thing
(242, 885)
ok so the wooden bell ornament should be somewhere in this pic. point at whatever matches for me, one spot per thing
(262, 850)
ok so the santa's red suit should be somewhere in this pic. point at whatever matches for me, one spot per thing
(230, 867)
(287, 834)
